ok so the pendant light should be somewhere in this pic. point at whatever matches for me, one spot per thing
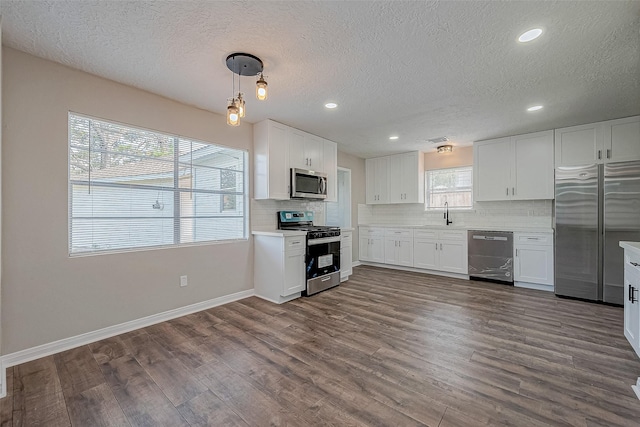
(243, 64)
(261, 88)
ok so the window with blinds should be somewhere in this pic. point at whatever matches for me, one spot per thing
(131, 188)
(454, 186)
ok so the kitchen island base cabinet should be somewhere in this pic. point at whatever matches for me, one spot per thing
(279, 267)
(631, 297)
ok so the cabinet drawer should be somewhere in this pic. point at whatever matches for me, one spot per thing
(371, 231)
(452, 234)
(631, 262)
(425, 234)
(294, 244)
(539, 239)
(398, 232)
(346, 240)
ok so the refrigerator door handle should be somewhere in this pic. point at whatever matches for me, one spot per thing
(630, 292)
(633, 295)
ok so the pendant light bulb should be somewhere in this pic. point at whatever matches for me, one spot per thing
(261, 88)
(233, 118)
(240, 104)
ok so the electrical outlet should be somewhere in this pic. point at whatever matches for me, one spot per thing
(183, 281)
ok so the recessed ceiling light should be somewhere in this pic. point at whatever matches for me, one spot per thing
(527, 36)
(331, 105)
(393, 137)
(535, 108)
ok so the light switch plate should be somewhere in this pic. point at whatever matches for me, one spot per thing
(183, 281)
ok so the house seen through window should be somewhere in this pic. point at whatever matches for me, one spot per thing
(134, 188)
(454, 185)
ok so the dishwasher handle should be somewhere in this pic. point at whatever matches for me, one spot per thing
(478, 237)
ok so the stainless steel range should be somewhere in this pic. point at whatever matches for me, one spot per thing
(322, 258)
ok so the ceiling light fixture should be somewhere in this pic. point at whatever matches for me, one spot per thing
(530, 35)
(243, 64)
(535, 108)
(445, 149)
(393, 137)
(330, 105)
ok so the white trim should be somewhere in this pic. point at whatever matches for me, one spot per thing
(3, 381)
(636, 388)
(417, 270)
(43, 350)
(536, 286)
(356, 263)
(282, 299)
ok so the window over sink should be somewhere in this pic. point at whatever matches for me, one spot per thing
(452, 185)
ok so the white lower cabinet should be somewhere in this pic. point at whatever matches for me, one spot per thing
(372, 244)
(398, 246)
(443, 250)
(345, 255)
(279, 267)
(533, 259)
(631, 296)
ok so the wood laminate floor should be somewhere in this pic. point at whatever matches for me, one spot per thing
(385, 348)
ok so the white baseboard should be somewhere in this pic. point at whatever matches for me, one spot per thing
(282, 299)
(536, 286)
(356, 263)
(418, 270)
(636, 388)
(3, 381)
(43, 350)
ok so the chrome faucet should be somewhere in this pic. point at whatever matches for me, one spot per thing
(446, 214)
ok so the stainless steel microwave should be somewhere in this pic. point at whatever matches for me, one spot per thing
(306, 184)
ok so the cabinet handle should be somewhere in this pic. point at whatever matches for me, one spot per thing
(310, 161)
(440, 246)
(608, 153)
(436, 246)
(516, 252)
(599, 154)
(633, 295)
(507, 191)
(630, 292)
(513, 191)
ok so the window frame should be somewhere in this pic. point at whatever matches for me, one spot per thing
(176, 189)
(427, 192)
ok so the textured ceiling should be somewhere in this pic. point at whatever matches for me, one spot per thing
(418, 70)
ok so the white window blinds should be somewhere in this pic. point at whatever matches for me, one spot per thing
(131, 188)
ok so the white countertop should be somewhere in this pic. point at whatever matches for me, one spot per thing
(631, 246)
(465, 227)
(279, 233)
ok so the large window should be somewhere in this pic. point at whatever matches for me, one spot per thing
(132, 188)
(454, 186)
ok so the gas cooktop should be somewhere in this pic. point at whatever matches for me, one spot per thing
(303, 221)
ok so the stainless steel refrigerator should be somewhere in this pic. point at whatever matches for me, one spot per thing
(596, 206)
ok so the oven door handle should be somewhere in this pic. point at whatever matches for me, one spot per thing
(333, 239)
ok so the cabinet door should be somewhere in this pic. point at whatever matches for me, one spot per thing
(533, 171)
(632, 310)
(370, 184)
(622, 139)
(376, 251)
(330, 163)
(492, 169)
(534, 264)
(579, 145)
(453, 257)
(365, 249)
(294, 274)
(405, 252)
(278, 159)
(297, 158)
(395, 175)
(412, 172)
(391, 250)
(381, 177)
(346, 268)
(314, 152)
(425, 254)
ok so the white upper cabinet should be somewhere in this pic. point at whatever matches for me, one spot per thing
(406, 178)
(395, 179)
(377, 180)
(514, 168)
(330, 165)
(602, 142)
(270, 161)
(306, 151)
(278, 148)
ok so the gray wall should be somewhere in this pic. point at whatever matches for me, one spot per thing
(358, 192)
(47, 296)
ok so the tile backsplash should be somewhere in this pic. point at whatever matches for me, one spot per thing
(263, 212)
(524, 213)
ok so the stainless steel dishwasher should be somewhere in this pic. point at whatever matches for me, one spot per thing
(491, 255)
